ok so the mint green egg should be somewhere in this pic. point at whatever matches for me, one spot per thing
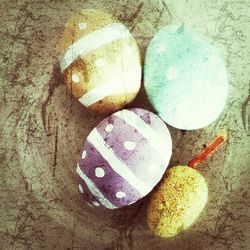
(185, 78)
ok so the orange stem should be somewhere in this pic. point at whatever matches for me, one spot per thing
(207, 151)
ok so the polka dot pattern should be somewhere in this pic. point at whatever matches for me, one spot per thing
(88, 204)
(120, 194)
(84, 154)
(75, 78)
(120, 151)
(97, 47)
(129, 145)
(95, 203)
(161, 48)
(109, 128)
(80, 188)
(100, 62)
(82, 26)
(99, 172)
(128, 51)
(187, 84)
(171, 73)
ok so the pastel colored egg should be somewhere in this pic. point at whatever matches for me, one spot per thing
(177, 202)
(123, 158)
(100, 61)
(185, 78)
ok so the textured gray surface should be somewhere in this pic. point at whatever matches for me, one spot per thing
(43, 128)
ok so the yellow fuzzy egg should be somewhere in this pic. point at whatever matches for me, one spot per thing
(100, 61)
(177, 202)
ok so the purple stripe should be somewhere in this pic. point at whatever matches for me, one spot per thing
(153, 121)
(143, 156)
(111, 182)
(87, 195)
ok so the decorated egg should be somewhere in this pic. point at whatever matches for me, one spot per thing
(123, 158)
(100, 61)
(181, 196)
(185, 78)
(177, 202)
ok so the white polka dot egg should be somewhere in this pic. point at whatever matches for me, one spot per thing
(185, 78)
(100, 61)
(123, 158)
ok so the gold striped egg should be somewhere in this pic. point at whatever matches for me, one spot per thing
(100, 61)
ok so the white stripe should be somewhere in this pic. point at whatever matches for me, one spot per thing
(94, 190)
(93, 41)
(117, 165)
(121, 84)
(162, 147)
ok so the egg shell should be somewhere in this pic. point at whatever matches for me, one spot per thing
(123, 158)
(177, 202)
(100, 61)
(185, 78)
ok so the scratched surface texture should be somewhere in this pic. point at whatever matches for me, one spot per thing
(42, 129)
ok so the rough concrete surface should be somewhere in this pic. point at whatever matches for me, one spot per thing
(43, 128)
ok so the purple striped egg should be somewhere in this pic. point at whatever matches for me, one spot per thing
(123, 158)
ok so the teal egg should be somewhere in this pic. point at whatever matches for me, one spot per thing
(185, 78)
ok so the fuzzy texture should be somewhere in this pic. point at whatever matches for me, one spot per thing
(185, 78)
(177, 202)
(43, 128)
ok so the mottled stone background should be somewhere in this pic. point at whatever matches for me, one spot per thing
(43, 128)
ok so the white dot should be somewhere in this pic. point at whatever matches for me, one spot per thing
(88, 204)
(95, 203)
(99, 172)
(100, 62)
(82, 26)
(161, 48)
(171, 73)
(129, 145)
(120, 194)
(84, 154)
(109, 128)
(128, 50)
(80, 188)
(75, 78)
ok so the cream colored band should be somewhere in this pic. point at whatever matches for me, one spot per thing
(162, 147)
(122, 84)
(94, 190)
(93, 41)
(116, 164)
